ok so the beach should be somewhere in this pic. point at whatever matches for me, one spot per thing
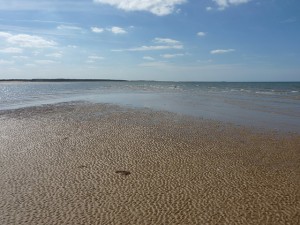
(87, 163)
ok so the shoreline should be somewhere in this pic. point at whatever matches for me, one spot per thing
(75, 163)
(52, 104)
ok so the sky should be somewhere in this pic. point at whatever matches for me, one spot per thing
(168, 40)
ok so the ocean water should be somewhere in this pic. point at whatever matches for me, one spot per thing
(262, 105)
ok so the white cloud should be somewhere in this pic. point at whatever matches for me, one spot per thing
(157, 7)
(178, 11)
(97, 29)
(94, 58)
(148, 58)
(221, 51)
(163, 44)
(11, 50)
(30, 41)
(27, 41)
(117, 30)
(201, 34)
(222, 4)
(166, 41)
(67, 27)
(21, 57)
(55, 55)
(5, 35)
(169, 56)
(114, 30)
(72, 46)
(6, 62)
(208, 8)
(150, 48)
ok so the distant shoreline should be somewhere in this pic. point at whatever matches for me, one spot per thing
(116, 80)
(56, 80)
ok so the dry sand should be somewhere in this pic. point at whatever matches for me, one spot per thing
(100, 164)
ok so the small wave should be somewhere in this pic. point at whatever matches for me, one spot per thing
(294, 91)
(265, 92)
(245, 90)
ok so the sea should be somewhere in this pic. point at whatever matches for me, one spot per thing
(264, 105)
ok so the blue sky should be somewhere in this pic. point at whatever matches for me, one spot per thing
(180, 40)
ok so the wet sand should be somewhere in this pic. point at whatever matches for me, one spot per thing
(82, 163)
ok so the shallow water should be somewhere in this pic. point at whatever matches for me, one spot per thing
(262, 105)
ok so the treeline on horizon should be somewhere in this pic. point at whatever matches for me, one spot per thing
(57, 80)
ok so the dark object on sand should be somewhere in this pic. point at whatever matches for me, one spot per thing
(82, 166)
(123, 172)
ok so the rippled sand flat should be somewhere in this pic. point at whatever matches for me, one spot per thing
(100, 164)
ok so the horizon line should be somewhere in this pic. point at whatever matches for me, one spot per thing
(123, 80)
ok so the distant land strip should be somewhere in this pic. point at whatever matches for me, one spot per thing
(56, 80)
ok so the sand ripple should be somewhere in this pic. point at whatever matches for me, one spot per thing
(102, 164)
